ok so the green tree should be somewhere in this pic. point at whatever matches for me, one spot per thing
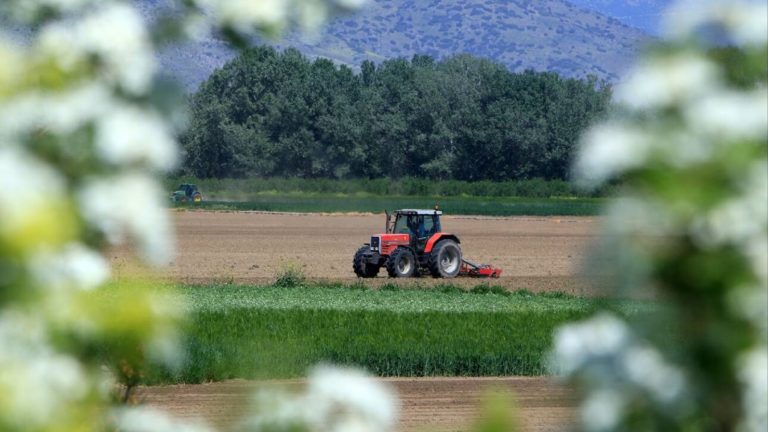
(272, 113)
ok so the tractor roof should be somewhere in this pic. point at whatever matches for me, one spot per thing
(418, 212)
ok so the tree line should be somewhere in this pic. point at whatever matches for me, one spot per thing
(279, 114)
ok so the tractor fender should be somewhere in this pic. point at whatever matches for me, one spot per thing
(436, 238)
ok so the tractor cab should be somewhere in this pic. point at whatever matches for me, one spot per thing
(420, 225)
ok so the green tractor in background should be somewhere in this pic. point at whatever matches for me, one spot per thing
(187, 193)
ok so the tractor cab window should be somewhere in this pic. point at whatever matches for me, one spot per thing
(409, 224)
(429, 226)
(419, 226)
(403, 224)
(416, 225)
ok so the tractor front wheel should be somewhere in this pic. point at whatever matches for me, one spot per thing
(445, 259)
(402, 263)
(361, 266)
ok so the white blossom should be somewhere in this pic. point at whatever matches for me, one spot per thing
(129, 205)
(741, 220)
(164, 344)
(21, 335)
(27, 9)
(311, 15)
(58, 113)
(732, 222)
(661, 81)
(128, 135)
(633, 216)
(730, 115)
(743, 21)
(59, 42)
(125, 134)
(682, 148)
(757, 253)
(42, 383)
(115, 34)
(88, 68)
(28, 186)
(335, 400)
(602, 410)
(678, 117)
(751, 302)
(74, 266)
(647, 369)
(42, 386)
(274, 410)
(351, 4)
(609, 149)
(576, 344)
(197, 27)
(619, 368)
(144, 419)
(340, 398)
(753, 374)
(244, 15)
(11, 65)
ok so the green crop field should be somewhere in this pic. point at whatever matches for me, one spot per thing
(299, 202)
(511, 198)
(280, 331)
(249, 188)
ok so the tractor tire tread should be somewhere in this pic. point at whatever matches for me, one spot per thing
(393, 259)
(434, 259)
(361, 267)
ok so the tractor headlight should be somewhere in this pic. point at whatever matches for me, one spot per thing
(375, 240)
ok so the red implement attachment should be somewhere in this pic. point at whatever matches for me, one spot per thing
(468, 268)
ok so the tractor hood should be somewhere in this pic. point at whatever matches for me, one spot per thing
(384, 244)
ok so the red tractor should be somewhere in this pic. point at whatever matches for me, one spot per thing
(413, 244)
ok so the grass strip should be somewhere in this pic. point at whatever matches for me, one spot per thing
(244, 189)
(278, 332)
(376, 204)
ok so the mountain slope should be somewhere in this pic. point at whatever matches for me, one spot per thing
(643, 14)
(551, 35)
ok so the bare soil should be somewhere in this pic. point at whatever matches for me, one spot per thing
(427, 404)
(535, 253)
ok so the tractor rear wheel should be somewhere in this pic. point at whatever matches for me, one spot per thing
(445, 259)
(361, 266)
(402, 263)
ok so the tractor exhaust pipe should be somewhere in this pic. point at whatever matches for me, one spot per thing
(386, 223)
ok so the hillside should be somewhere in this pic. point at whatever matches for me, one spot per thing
(551, 35)
(643, 14)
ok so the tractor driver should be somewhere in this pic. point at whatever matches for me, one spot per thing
(417, 227)
(413, 225)
(422, 231)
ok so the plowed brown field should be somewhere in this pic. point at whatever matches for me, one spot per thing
(539, 254)
(428, 404)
